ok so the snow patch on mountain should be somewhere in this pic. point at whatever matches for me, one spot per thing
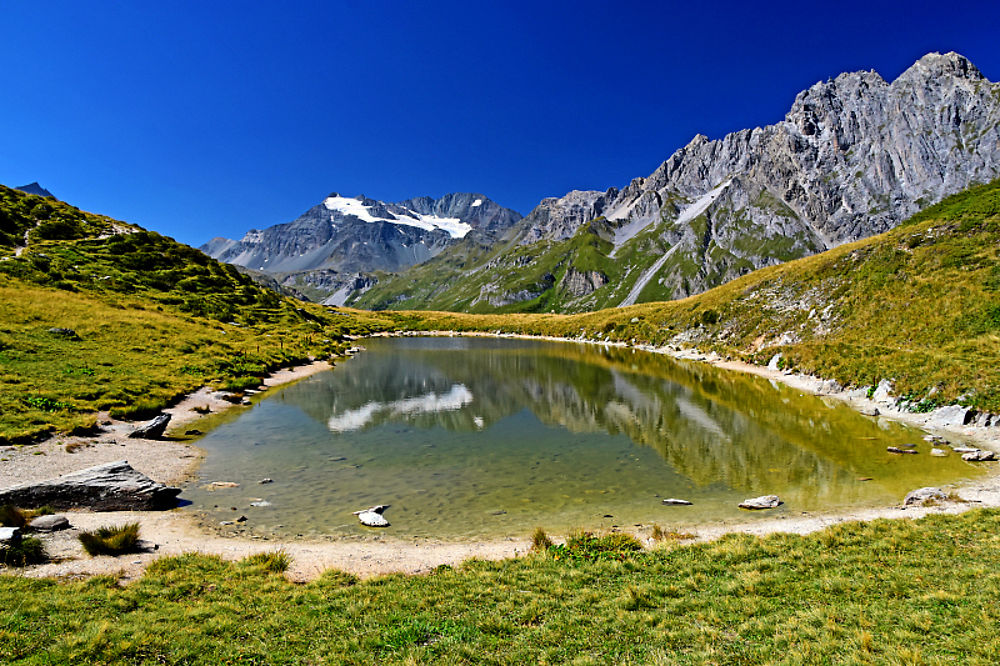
(453, 226)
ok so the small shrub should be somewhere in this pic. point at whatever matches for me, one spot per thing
(276, 561)
(540, 541)
(28, 551)
(111, 540)
(11, 516)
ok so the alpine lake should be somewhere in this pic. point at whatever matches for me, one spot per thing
(474, 438)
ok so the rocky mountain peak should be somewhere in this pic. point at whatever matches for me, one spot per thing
(936, 65)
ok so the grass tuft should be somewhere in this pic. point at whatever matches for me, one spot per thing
(111, 540)
(11, 516)
(276, 561)
(540, 541)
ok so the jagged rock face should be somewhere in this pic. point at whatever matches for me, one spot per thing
(580, 284)
(558, 218)
(853, 157)
(364, 235)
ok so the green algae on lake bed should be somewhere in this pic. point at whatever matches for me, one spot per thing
(477, 438)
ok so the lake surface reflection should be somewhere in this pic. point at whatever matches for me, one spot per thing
(476, 437)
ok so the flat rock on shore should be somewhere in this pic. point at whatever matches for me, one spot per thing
(114, 486)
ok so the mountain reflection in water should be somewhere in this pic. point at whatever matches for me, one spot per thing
(547, 433)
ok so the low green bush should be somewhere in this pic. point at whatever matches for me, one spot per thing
(28, 550)
(589, 547)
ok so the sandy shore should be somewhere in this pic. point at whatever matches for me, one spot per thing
(175, 532)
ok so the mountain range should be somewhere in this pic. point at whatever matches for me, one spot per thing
(331, 249)
(853, 157)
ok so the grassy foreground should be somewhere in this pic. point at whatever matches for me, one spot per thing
(896, 592)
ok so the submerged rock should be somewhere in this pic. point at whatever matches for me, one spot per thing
(939, 453)
(896, 449)
(921, 496)
(373, 517)
(673, 501)
(152, 429)
(215, 485)
(114, 486)
(762, 502)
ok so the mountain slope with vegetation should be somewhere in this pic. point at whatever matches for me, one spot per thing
(97, 314)
(853, 157)
(918, 306)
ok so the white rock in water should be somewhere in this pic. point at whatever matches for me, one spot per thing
(373, 517)
(939, 453)
(979, 456)
(673, 501)
(964, 449)
(762, 502)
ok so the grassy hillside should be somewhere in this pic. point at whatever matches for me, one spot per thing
(97, 314)
(884, 592)
(919, 305)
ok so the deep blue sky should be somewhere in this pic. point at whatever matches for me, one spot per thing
(198, 119)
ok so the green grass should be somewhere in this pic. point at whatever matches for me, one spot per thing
(897, 592)
(111, 540)
(151, 320)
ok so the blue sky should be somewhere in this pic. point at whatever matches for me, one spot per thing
(201, 119)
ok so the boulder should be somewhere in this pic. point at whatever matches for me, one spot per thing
(10, 536)
(67, 333)
(49, 523)
(152, 429)
(114, 486)
(964, 449)
(896, 449)
(673, 501)
(939, 453)
(979, 456)
(373, 517)
(950, 416)
(921, 496)
(762, 502)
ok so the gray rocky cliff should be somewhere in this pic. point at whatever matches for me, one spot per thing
(854, 156)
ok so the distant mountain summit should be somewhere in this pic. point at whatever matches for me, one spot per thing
(339, 242)
(854, 156)
(35, 188)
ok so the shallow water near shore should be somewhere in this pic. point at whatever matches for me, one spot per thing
(483, 438)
